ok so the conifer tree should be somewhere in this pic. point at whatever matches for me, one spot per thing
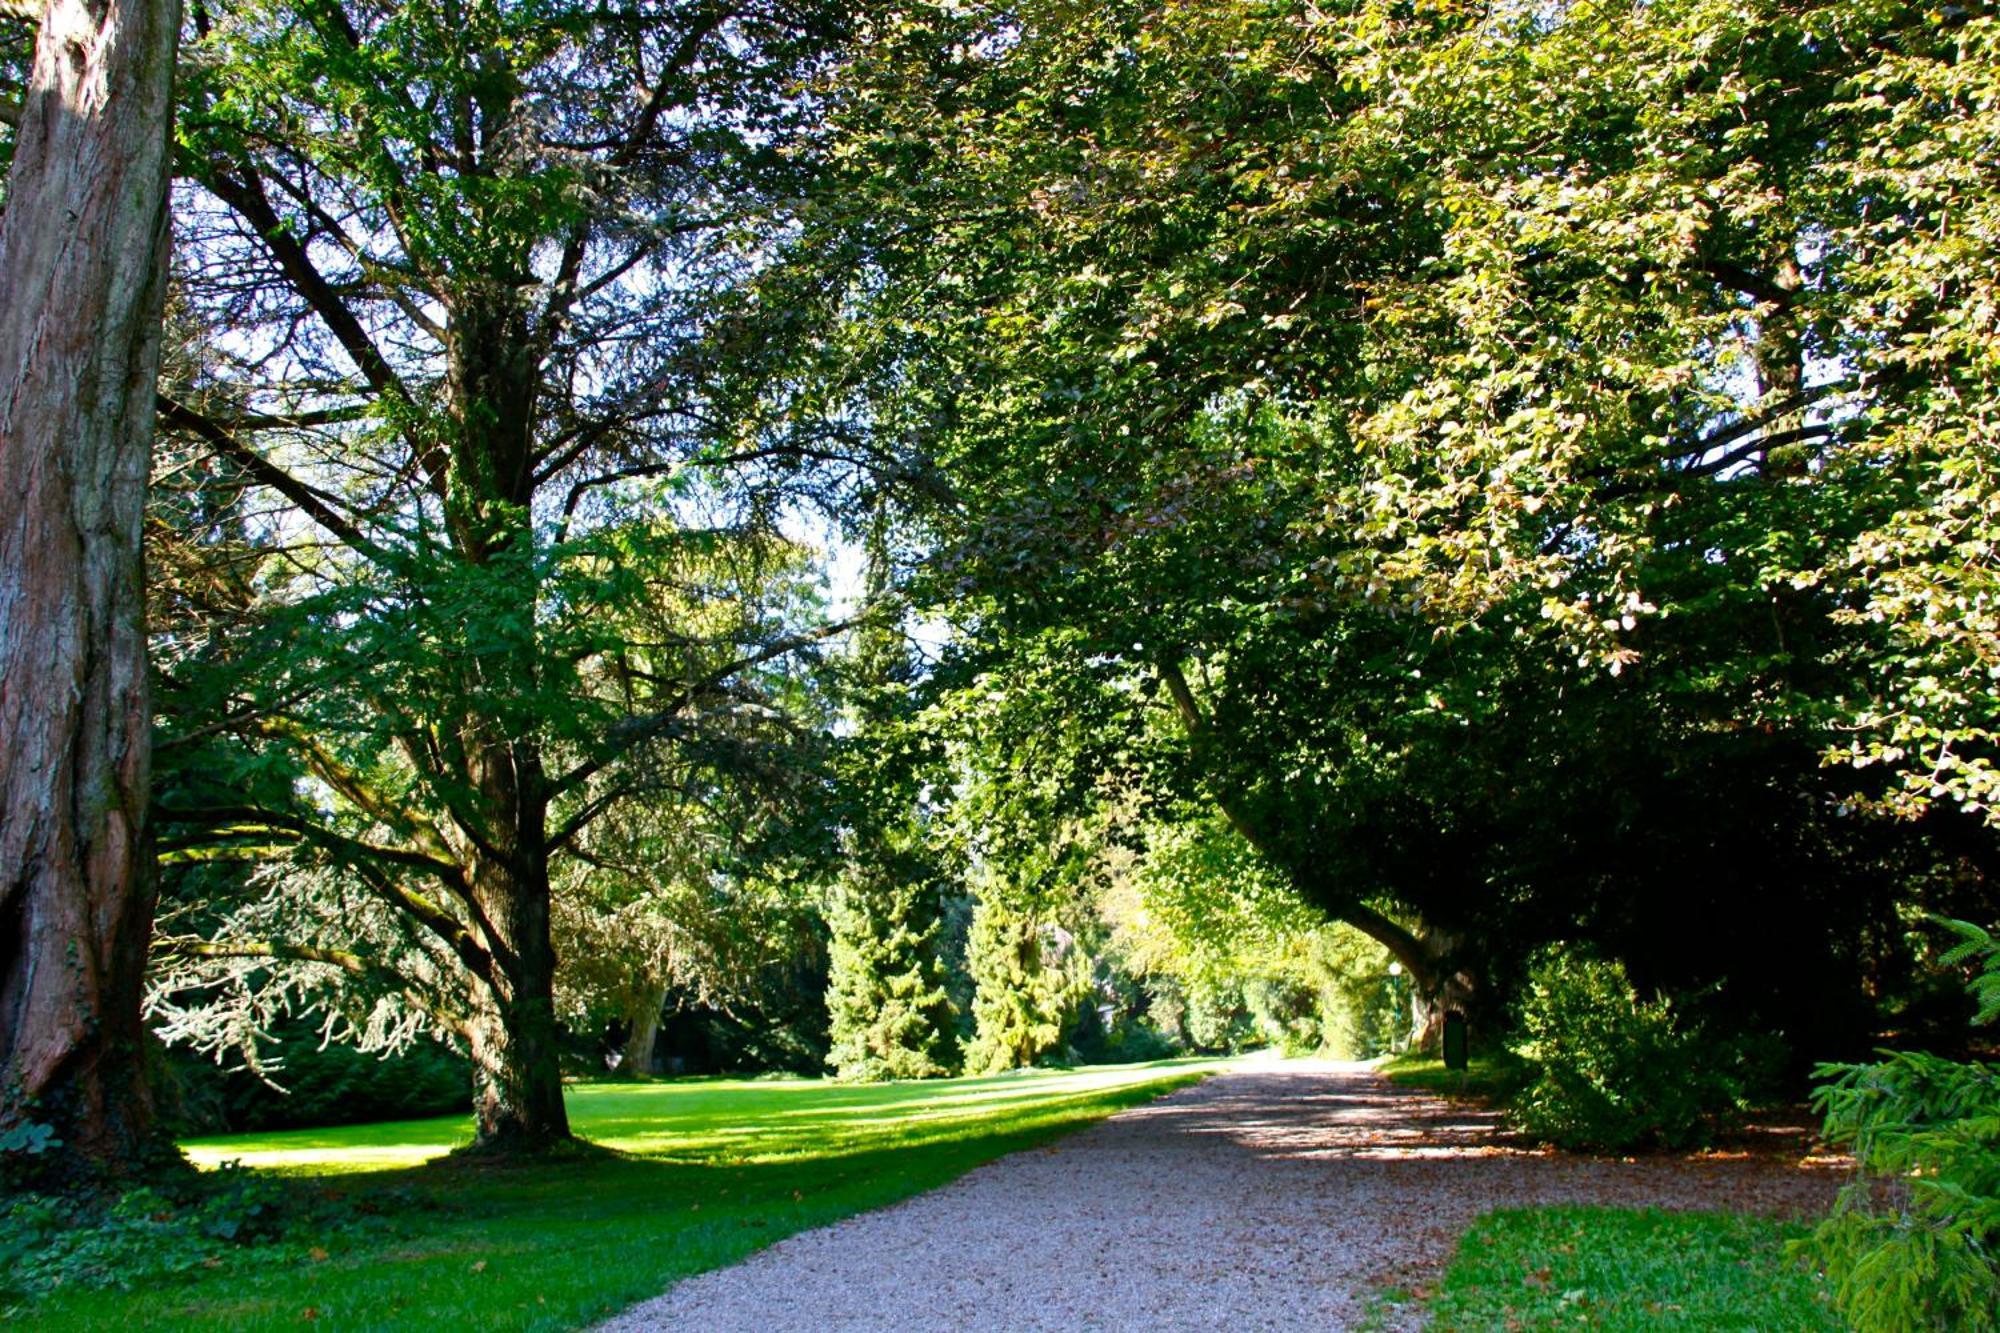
(888, 1009)
(1029, 980)
(890, 1014)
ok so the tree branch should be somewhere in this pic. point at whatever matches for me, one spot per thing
(314, 503)
(636, 731)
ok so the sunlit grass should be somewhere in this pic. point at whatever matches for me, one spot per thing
(709, 1171)
(1493, 1077)
(1635, 1270)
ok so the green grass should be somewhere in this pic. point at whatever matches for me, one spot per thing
(709, 1171)
(1620, 1269)
(1492, 1078)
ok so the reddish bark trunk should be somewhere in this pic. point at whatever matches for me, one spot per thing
(82, 275)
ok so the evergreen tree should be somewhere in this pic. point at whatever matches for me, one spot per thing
(886, 1000)
(891, 1017)
(1030, 977)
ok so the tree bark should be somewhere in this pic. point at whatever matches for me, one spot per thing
(82, 277)
(644, 1034)
(516, 1059)
(517, 1099)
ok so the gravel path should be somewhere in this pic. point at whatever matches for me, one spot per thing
(1280, 1196)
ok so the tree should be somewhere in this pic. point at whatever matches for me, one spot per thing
(668, 909)
(1028, 977)
(480, 263)
(1359, 375)
(888, 1009)
(82, 277)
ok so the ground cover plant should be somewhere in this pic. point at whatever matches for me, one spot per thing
(1615, 1269)
(688, 1176)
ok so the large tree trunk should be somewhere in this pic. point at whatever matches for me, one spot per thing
(516, 1060)
(516, 1072)
(82, 275)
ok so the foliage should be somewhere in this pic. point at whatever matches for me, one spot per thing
(529, 567)
(1914, 1240)
(705, 1172)
(1614, 1072)
(1029, 977)
(1621, 1269)
(688, 904)
(1127, 1040)
(1248, 962)
(886, 1000)
(1495, 436)
(169, 1232)
(305, 1080)
(1363, 1008)
(889, 1003)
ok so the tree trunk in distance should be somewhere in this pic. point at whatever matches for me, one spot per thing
(82, 277)
(645, 1034)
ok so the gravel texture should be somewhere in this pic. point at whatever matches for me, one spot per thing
(1281, 1196)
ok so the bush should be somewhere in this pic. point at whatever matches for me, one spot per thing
(1215, 1020)
(1911, 1243)
(1284, 1013)
(1612, 1072)
(1363, 1010)
(1129, 1040)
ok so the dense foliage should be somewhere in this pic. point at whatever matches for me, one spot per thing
(1914, 1241)
(887, 1005)
(1470, 450)
(1611, 1071)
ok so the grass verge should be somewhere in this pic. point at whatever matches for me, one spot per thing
(703, 1173)
(1488, 1078)
(1624, 1269)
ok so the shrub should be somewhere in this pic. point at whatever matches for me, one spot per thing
(1284, 1013)
(1613, 1072)
(1216, 1020)
(1911, 1243)
(1363, 1010)
(1129, 1040)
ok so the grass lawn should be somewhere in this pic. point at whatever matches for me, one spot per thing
(1623, 1269)
(709, 1171)
(1491, 1078)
